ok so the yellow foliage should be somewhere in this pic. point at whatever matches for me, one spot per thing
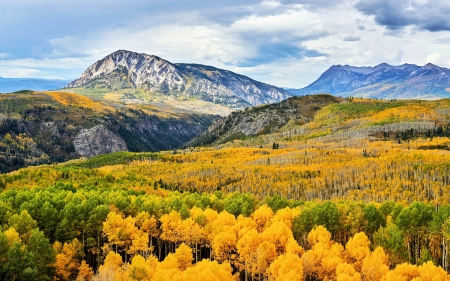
(346, 272)
(286, 267)
(85, 272)
(77, 101)
(13, 236)
(261, 216)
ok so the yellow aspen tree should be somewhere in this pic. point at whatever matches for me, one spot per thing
(207, 270)
(111, 269)
(278, 233)
(85, 272)
(429, 272)
(183, 254)
(402, 272)
(323, 257)
(266, 253)
(357, 249)
(375, 265)
(140, 269)
(346, 272)
(247, 250)
(67, 261)
(224, 245)
(262, 216)
(13, 236)
(285, 268)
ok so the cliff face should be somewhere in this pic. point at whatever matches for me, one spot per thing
(158, 77)
(98, 140)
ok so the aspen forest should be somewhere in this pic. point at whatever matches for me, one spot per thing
(359, 192)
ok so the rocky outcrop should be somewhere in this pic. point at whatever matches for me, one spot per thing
(263, 119)
(156, 76)
(98, 140)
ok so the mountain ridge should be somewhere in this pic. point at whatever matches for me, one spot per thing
(8, 85)
(382, 81)
(157, 77)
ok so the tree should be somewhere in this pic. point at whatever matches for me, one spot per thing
(240, 204)
(392, 240)
(23, 224)
(286, 267)
(375, 265)
(357, 249)
(68, 259)
(374, 219)
(42, 255)
(85, 272)
(346, 272)
(414, 220)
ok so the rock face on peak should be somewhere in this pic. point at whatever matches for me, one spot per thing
(382, 81)
(158, 77)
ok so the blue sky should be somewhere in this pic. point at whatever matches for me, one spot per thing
(287, 43)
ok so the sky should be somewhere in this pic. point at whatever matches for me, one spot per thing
(286, 43)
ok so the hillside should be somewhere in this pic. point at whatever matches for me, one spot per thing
(383, 81)
(49, 127)
(264, 119)
(150, 78)
(353, 187)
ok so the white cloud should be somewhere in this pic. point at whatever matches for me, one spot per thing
(279, 42)
(434, 58)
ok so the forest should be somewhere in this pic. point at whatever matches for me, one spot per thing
(358, 193)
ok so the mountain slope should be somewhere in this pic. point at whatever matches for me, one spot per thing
(37, 128)
(153, 78)
(382, 81)
(8, 85)
(264, 119)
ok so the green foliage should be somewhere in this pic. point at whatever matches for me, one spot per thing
(276, 202)
(325, 214)
(392, 240)
(240, 204)
(374, 218)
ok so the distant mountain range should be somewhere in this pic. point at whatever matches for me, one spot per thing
(382, 81)
(151, 78)
(8, 85)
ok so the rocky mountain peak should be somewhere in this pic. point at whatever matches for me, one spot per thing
(156, 76)
(139, 68)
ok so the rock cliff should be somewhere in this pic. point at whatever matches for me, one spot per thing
(98, 140)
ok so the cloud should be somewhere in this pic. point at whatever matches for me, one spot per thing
(352, 38)
(434, 58)
(425, 15)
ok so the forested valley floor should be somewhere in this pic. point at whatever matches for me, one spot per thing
(359, 193)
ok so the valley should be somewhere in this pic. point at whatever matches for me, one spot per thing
(125, 175)
(338, 187)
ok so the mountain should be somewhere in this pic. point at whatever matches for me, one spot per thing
(383, 81)
(150, 78)
(48, 127)
(264, 119)
(8, 85)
